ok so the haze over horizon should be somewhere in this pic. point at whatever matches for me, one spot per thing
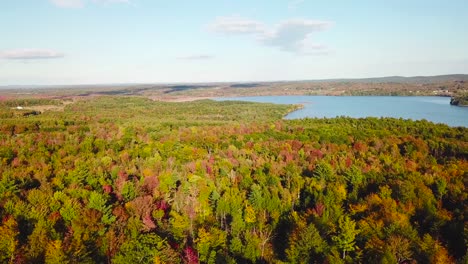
(48, 42)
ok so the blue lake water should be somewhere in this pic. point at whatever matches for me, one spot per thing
(431, 108)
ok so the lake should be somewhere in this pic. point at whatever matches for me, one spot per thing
(431, 108)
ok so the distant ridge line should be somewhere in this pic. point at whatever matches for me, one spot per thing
(400, 79)
(386, 79)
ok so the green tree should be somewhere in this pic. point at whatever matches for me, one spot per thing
(98, 202)
(345, 239)
(304, 243)
(147, 248)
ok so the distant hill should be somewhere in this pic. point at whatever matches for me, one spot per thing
(193, 85)
(441, 85)
(401, 79)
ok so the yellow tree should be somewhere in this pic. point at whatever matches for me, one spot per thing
(8, 241)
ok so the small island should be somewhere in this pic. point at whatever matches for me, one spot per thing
(460, 100)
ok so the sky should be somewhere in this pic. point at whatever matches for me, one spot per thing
(54, 42)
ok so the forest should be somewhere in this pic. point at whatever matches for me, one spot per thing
(125, 179)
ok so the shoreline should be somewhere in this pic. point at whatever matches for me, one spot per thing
(180, 99)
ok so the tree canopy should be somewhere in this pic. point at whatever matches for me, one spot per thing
(126, 179)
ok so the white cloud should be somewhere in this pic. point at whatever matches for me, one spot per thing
(111, 1)
(68, 3)
(30, 54)
(237, 25)
(81, 3)
(293, 4)
(292, 35)
(196, 57)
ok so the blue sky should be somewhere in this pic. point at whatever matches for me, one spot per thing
(160, 41)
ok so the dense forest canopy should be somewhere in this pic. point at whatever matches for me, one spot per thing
(129, 180)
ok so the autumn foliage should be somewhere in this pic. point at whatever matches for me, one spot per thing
(129, 180)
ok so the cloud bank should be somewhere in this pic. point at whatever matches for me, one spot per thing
(292, 35)
(30, 54)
